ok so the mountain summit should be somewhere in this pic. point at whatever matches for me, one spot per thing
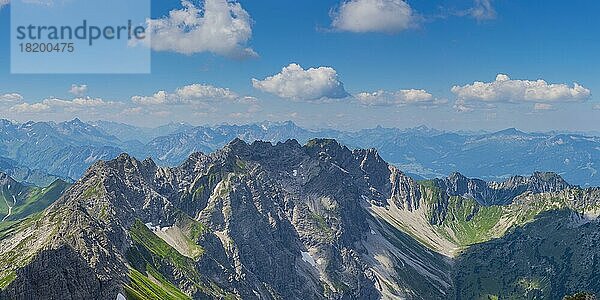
(283, 221)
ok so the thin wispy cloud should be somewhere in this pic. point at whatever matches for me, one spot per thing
(543, 106)
(482, 10)
(59, 105)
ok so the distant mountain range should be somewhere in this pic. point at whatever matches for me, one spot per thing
(32, 150)
(291, 221)
(18, 201)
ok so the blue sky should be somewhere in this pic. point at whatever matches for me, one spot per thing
(396, 74)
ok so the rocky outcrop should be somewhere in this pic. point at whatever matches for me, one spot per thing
(501, 193)
(254, 221)
(58, 274)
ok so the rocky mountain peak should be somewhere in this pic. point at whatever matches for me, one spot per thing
(328, 149)
(509, 132)
(326, 144)
(6, 123)
(6, 180)
(541, 182)
(501, 193)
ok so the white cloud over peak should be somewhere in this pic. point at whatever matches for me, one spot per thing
(294, 82)
(504, 89)
(374, 16)
(190, 94)
(221, 27)
(399, 98)
(78, 90)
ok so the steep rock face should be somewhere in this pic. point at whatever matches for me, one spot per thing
(255, 221)
(501, 193)
(6, 180)
(406, 193)
(57, 274)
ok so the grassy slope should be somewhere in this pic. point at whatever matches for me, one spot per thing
(151, 257)
(32, 230)
(30, 199)
(465, 222)
(546, 259)
(530, 249)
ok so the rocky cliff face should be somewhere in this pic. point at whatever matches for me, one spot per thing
(256, 221)
(452, 213)
(501, 193)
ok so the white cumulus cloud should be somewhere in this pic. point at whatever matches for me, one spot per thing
(59, 105)
(30, 108)
(398, 98)
(78, 90)
(374, 16)
(294, 82)
(86, 102)
(507, 90)
(220, 26)
(190, 94)
(11, 98)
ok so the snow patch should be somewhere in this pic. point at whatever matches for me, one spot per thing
(340, 168)
(157, 227)
(91, 159)
(309, 259)
(9, 206)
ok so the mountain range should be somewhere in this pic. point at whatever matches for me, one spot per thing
(40, 152)
(290, 221)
